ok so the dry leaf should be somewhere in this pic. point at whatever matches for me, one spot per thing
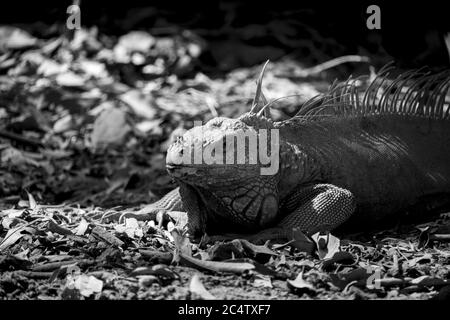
(131, 228)
(338, 257)
(135, 41)
(341, 280)
(198, 290)
(110, 128)
(82, 227)
(428, 281)
(300, 284)
(15, 38)
(258, 252)
(182, 244)
(218, 266)
(160, 270)
(327, 245)
(14, 235)
(426, 258)
(301, 242)
(31, 202)
(70, 79)
(142, 105)
(88, 285)
(106, 236)
(262, 281)
(56, 228)
(12, 213)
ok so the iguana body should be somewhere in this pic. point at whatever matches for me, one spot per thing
(345, 157)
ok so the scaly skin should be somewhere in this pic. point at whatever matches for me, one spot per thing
(342, 158)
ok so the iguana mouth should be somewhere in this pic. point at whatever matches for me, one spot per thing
(180, 171)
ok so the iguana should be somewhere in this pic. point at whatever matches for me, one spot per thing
(350, 156)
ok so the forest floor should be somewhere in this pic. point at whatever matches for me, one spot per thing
(85, 121)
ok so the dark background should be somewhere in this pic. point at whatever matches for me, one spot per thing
(412, 33)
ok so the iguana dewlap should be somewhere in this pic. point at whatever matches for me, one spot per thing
(352, 156)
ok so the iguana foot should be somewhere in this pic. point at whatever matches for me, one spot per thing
(168, 209)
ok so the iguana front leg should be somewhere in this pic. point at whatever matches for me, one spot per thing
(311, 209)
(168, 207)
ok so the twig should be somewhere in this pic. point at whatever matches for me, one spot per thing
(51, 266)
(19, 138)
(34, 274)
(218, 266)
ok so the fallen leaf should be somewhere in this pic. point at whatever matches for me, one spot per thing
(82, 227)
(300, 284)
(281, 261)
(150, 127)
(12, 213)
(12, 38)
(14, 235)
(93, 69)
(305, 263)
(426, 258)
(157, 256)
(161, 271)
(110, 128)
(327, 245)
(88, 285)
(262, 281)
(182, 244)
(70, 79)
(428, 281)
(218, 266)
(31, 202)
(198, 290)
(341, 280)
(301, 242)
(63, 124)
(135, 41)
(142, 105)
(260, 268)
(14, 262)
(49, 68)
(56, 228)
(17, 159)
(342, 257)
(258, 252)
(147, 280)
(131, 228)
(106, 236)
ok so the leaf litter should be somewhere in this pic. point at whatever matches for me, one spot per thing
(88, 132)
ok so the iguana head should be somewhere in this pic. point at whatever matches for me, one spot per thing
(231, 167)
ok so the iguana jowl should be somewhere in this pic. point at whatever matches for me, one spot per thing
(347, 156)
